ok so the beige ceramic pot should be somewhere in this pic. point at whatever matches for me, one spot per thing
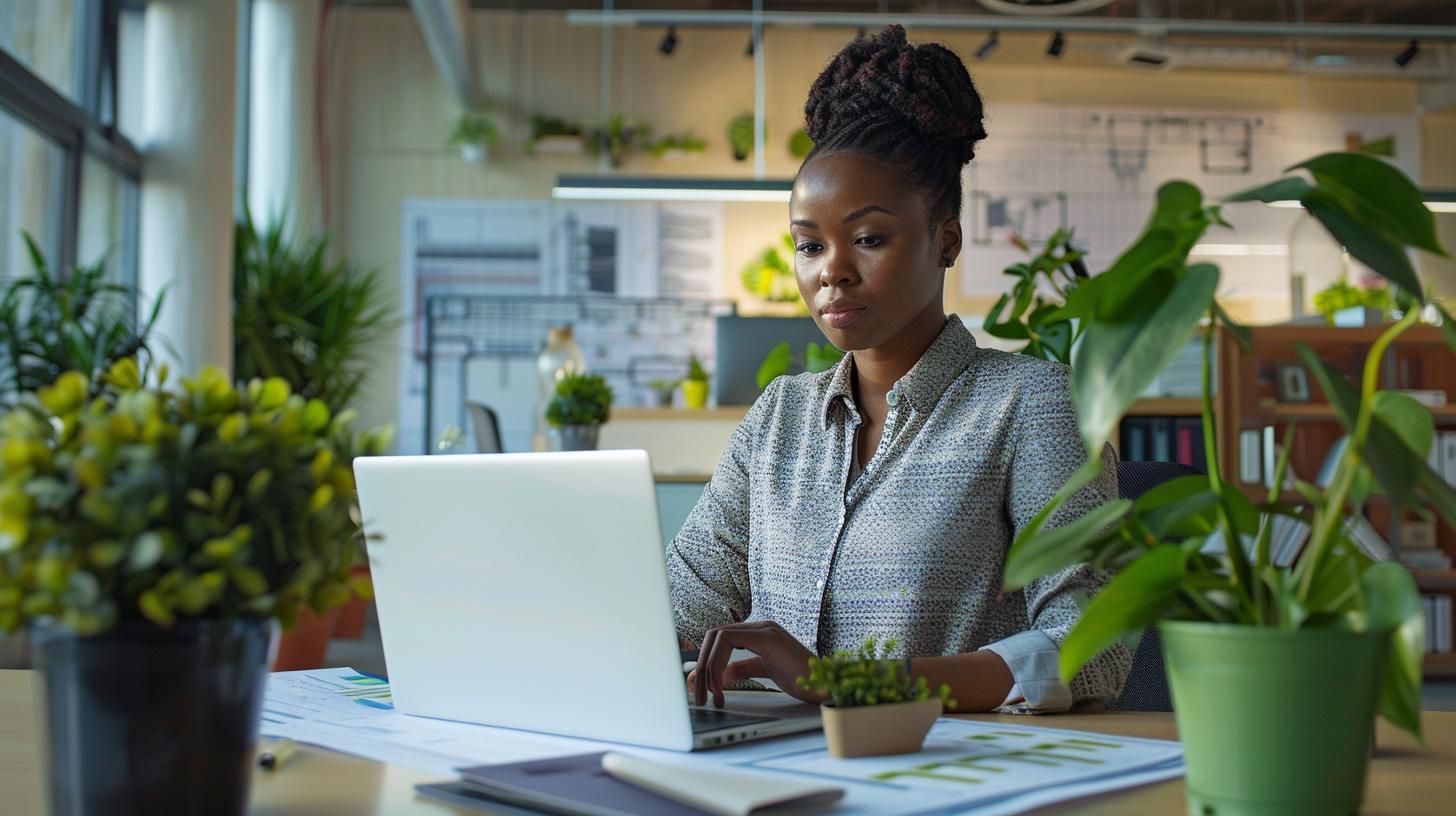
(878, 730)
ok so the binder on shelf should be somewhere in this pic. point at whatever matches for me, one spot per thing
(1448, 456)
(1162, 439)
(1251, 463)
(1134, 440)
(1443, 623)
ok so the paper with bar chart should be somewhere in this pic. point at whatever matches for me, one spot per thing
(990, 766)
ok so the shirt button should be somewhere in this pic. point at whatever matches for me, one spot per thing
(893, 398)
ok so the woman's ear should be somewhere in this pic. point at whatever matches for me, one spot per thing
(949, 236)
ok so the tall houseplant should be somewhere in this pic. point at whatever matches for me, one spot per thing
(303, 317)
(1275, 671)
(148, 536)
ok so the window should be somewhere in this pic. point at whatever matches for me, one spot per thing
(69, 174)
(31, 178)
(42, 35)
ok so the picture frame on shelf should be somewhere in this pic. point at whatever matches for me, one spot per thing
(1293, 383)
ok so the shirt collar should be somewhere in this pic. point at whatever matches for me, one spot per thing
(923, 385)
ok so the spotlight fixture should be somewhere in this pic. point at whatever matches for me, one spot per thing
(1054, 49)
(989, 45)
(669, 42)
(1403, 58)
(749, 49)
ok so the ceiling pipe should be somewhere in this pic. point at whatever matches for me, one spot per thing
(446, 26)
(984, 22)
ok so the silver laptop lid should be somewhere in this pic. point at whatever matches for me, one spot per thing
(526, 591)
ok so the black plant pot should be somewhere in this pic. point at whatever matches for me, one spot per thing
(145, 720)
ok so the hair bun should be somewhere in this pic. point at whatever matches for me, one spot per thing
(884, 78)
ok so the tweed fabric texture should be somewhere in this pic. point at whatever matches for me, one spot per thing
(975, 443)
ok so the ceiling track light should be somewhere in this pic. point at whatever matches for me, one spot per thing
(989, 45)
(669, 42)
(1054, 49)
(1404, 58)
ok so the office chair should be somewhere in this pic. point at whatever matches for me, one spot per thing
(1146, 688)
(487, 428)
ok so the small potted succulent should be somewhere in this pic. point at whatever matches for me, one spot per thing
(872, 707)
(662, 390)
(149, 537)
(576, 413)
(695, 384)
(475, 133)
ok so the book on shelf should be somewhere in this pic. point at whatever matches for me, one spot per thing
(1438, 622)
(1448, 456)
(1164, 439)
(1425, 559)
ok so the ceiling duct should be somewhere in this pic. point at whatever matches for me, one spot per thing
(446, 26)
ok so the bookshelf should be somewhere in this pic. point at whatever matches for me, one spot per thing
(1265, 388)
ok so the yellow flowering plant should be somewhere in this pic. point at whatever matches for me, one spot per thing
(138, 502)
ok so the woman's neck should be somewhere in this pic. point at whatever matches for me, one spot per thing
(876, 370)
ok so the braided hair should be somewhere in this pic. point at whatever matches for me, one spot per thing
(912, 106)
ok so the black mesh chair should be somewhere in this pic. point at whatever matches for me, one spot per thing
(1146, 688)
(487, 428)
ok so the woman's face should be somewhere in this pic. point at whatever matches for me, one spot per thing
(868, 263)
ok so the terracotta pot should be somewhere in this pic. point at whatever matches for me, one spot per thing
(878, 730)
(352, 614)
(303, 646)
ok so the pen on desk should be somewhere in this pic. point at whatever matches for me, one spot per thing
(273, 759)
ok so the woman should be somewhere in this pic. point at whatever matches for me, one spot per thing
(880, 497)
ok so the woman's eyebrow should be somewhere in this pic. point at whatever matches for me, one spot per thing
(859, 213)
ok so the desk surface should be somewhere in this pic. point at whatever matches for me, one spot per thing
(1403, 780)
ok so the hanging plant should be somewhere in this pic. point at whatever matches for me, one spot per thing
(740, 136)
(475, 133)
(800, 144)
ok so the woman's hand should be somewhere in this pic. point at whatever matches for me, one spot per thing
(778, 657)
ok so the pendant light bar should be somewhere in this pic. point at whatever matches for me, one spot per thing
(664, 188)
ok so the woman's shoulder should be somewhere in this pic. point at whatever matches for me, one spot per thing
(1019, 371)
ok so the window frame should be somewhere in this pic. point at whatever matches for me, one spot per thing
(80, 129)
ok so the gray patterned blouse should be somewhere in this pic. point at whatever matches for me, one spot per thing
(975, 443)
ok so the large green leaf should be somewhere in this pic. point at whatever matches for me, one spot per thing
(1395, 466)
(1130, 602)
(1051, 551)
(1393, 603)
(1363, 240)
(1410, 420)
(1380, 194)
(1182, 507)
(1285, 189)
(1116, 362)
(774, 365)
(1130, 281)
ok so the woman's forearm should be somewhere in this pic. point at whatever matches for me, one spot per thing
(979, 681)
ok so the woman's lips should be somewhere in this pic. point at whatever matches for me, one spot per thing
(843, 317)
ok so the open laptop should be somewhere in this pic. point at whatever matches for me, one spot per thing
(530, 591)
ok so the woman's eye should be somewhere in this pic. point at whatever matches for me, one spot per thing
(808, 248)
(869, 240)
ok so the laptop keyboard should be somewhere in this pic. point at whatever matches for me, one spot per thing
(712, 719)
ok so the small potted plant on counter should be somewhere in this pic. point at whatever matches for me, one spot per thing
(149, 537)
(695, 384)
(552, 135)
(873, 707)
(475, 133)
(576, 413)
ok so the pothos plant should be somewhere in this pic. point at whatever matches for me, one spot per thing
(1025, 313)
(868, 677)
(1135, 316)
(137, 502)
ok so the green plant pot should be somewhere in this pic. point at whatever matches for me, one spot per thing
(1274, 723)
(695, 393)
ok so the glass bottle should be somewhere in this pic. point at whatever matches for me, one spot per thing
(560, 356)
